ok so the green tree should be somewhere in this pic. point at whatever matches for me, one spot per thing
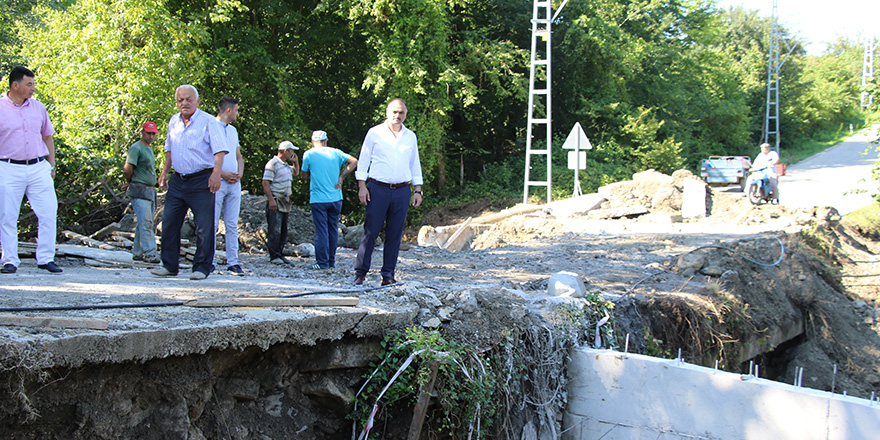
(104, 67)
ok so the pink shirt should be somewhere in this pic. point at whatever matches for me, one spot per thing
(22, 128)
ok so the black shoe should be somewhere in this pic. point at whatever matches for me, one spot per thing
(359, 280)
(8, 268)
(235, 270)
(51, 267)
(387, 281)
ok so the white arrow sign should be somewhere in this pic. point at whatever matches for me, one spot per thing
(577, 139)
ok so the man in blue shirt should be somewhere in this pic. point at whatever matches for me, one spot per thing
(195, 146)
(323, 166)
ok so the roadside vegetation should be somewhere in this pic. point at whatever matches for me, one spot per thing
(865, 220)
(654, 84)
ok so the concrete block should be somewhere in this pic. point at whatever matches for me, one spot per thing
(693, 204)
(639, 397)
(567, 284)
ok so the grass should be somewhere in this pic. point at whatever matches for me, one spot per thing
(865, 220)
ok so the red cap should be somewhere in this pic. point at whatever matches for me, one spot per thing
(150, 127)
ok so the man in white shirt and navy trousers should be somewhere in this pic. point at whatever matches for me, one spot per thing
(389, 161)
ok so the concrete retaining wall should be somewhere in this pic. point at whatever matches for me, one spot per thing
(613, 397)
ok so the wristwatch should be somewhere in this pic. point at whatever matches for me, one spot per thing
(418, 192)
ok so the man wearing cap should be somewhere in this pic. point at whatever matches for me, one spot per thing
(27, 166)
(389, 160)
(228, 198)
(140, 172)
(277, 178)
(323, 166)
(194, 146)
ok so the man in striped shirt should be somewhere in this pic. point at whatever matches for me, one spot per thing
(195, 147)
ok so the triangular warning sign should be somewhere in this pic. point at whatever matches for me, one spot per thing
(577, 139)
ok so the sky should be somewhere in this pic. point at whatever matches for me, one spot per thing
(820, 21)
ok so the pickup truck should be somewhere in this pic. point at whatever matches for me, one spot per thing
(726, 170)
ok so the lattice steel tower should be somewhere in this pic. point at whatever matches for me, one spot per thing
(771, 118)
(539, 115)
(868, 70)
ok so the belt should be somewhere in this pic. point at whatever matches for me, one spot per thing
(390, 185)
(25, 162)
(196, 174)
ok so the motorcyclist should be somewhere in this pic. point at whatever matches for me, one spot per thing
(768, 159)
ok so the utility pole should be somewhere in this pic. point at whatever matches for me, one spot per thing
(771, 118)
(868, 71)
(540, 99)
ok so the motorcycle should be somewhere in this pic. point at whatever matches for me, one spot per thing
(759, 189)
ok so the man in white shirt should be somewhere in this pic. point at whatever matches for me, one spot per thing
(768, 159)
(194, 147)
(389, 161)
(228, 198)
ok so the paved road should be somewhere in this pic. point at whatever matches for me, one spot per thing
(839, 176)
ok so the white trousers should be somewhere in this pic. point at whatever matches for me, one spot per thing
(228, 200)
(36, 182)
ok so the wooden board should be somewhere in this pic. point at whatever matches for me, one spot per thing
(303, 301)
(51, 321)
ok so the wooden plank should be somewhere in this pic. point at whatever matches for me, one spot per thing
(87, 240)
(415, 426)
(507, 213)
(105, 231)
(121, 241)
(457, 233)
(302, 301)
(53, 321)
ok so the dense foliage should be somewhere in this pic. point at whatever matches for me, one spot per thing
(656, 84)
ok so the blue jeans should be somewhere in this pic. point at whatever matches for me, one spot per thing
(184, 195)
(387, 207)
(144, 235)
(276, 236)
(326, 219)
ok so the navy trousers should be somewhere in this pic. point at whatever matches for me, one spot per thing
(387, 207)
(192, 194)
(326, 219)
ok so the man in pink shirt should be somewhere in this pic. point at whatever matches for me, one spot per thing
(27, 166)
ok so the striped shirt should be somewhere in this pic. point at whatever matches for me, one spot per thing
(193, 146)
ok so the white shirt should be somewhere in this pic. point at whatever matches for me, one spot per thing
(193, 146)
(390, 159)
(230, 161)
(766, 160)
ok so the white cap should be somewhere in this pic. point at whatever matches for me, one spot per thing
(319, 135)
(287, 145)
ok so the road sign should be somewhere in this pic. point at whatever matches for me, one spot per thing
(575, 162)
(577, 139)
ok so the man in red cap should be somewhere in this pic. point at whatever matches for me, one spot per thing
(140, 171)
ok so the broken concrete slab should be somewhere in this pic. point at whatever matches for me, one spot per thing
(574, 206)
(94, 253)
